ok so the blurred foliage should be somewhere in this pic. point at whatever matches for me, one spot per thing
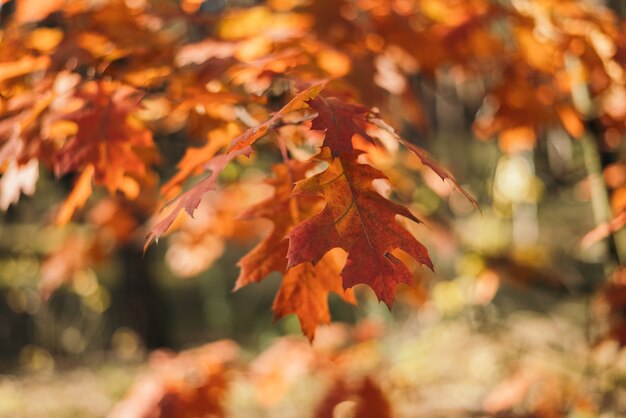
(523, 100)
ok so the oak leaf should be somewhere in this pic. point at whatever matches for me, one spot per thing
(305, 288)
(304, 292)
(359, 220)
(284, 210)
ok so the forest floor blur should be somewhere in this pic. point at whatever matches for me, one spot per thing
(429, 366)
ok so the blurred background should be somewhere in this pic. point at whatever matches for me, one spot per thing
(523, 101)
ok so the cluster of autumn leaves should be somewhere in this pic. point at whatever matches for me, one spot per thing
(104, 94)
(355, 217)
(87, 88)
(87, 99)
(201, 381)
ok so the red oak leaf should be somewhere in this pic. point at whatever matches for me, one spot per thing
(305, 288)
(362, 222)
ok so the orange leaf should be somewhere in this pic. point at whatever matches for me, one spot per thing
(284, 210)
(304, 291)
